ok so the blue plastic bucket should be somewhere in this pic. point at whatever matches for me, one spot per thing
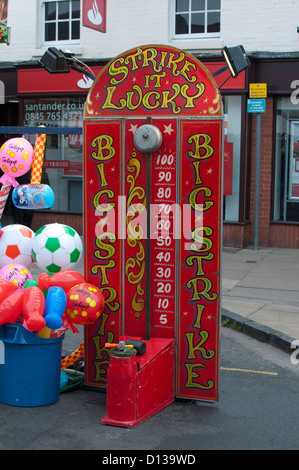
(30, 368)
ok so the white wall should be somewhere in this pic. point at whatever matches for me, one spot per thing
(267, 25)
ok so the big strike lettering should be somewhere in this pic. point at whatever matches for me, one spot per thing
(104, 252)
(200, 285)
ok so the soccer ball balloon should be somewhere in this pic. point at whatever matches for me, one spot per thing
(56, 247)
(16, 245)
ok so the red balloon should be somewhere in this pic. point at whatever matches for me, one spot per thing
(6, 288)
(85, 303)
(11, 307)
(33, 308)
(64, 279)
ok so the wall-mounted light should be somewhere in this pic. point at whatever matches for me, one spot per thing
(58, 61)
(236, 61)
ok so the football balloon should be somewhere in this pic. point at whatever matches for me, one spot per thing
(16, 245)
(56, 247)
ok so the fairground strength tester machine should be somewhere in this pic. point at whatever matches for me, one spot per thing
(153, 127)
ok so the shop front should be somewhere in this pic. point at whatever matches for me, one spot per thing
(279, 167)
(57, 101)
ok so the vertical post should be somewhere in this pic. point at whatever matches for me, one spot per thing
(257, 180)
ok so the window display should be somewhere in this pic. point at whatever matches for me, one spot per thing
(286, 184)
(62, 168)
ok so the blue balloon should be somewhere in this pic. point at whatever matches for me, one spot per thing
(33, 196)
(55, 307)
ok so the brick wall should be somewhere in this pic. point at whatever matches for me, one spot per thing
(42, 218)
(265, 175)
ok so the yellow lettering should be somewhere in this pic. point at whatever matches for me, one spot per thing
(200, 309)
(173, 63)
(190, 99)
(192, 375)
(130, 94)
(192, 349)
(102, 246)
(204, 291)
(108, 206)
(193, 196)
(105, 150)
(204, 243)
(171, 101)
(201, 142)
(108, 102)
(114, 70)
(197, 260)
(103, 268)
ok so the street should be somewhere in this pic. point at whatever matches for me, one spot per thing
(258, 409)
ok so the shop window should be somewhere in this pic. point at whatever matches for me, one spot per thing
(61, 21)
(196, 18)
(63, 159)
(286, 184)
(232, 154)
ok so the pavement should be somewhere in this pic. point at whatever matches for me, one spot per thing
(260, 293)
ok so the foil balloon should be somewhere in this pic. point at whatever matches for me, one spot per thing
(85, 304)
(17, 274)
(16, 156)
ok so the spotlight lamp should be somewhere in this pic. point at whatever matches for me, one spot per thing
(236, 59)
(58, 61)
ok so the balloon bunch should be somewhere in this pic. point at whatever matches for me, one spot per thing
(16, 158)
(50, 305)
(35, 195)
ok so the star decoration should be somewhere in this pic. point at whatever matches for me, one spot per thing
(91, 181)
(168, 129)
(210, 171)
(113, 169)
(98, 95)
(206, 100)
(133, 128)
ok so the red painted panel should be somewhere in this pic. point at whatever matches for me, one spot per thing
(135, 233)
(103, 248)
(163, 225)
(199, 260)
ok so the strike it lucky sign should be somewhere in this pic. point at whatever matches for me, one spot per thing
(152, 221)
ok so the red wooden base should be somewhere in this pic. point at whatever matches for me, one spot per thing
(140, 386)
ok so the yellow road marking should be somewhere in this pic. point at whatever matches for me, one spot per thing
(251, 371)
